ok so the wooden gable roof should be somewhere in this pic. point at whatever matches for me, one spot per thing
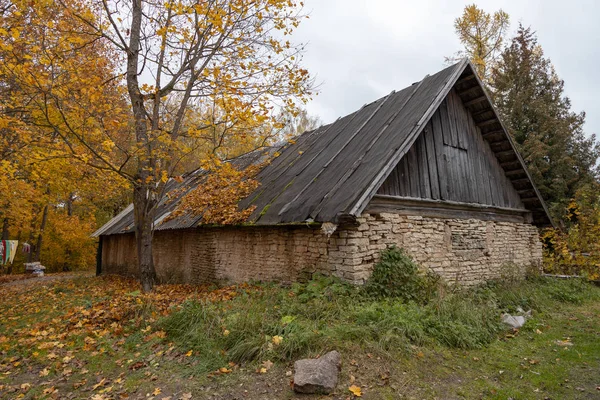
(331, 174)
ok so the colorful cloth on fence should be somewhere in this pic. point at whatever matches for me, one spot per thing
(14, 245)
(8, 251)
(26, 248)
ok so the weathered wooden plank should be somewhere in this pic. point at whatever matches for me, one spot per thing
(500, 182)
(491, 134)
(405, 176)
(431, 161)
(474, 138)
(413, 171)
(395, 187)
(445, 209)
(445, 123)
(460, 120)
(495, 171)
(488, 160)
(465, 170)
(487, 192)
(487, 187)
(471, 91)
(438, 141)
(453, 120)
(458, 181)
(520, 183)
(511, 165)
(466, 79)
(468, 139)
(506, 154)
(476, 100)
(515, 172)
(423, 168)
(487, 122)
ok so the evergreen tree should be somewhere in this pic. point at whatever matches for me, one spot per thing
(530, 98)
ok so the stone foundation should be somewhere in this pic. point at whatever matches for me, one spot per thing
(465, 251)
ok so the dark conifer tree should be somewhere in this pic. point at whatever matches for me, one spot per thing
(530, 98)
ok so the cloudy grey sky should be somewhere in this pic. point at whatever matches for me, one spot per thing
(361, 50)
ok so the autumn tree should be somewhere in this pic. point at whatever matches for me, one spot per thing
(530, 98)
(575, 250)
(165, 60)
(44, 191)
(482, 34)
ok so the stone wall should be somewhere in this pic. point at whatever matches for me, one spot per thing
(467, 251)
(230, 254)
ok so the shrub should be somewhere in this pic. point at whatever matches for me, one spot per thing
(396, 275)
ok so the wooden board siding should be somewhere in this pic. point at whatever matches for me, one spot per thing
(451, 161)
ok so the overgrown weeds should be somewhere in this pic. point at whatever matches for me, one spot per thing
(271, 322)
(397, 275)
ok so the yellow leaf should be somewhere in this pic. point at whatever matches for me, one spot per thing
(277, 340)
(189, 353)
(355, 390)
(156, 392)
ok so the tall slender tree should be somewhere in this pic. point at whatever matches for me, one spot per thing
(531, 100)
(482, 34)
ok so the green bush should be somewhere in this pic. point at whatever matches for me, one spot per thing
(396, 275)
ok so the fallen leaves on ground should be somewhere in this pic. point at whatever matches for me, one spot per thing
(16, 277)
(60, 336)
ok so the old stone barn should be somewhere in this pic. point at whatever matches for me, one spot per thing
(429, 168)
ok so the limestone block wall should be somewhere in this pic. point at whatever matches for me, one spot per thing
(231, 254)
(465, 251)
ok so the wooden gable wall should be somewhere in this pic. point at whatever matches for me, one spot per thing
(451, 161)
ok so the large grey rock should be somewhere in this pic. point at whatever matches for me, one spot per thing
(318, 375)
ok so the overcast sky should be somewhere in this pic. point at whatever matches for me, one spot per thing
(362, 50)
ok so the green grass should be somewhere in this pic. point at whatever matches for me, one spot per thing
(325, 313)
(449, 344)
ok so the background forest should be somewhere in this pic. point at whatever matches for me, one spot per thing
(70, 160)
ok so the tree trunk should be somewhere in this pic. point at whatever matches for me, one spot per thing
(38, 246)
(143, 210)
(4, 237)
(144, 194)
(67, 265)
(5, 232)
